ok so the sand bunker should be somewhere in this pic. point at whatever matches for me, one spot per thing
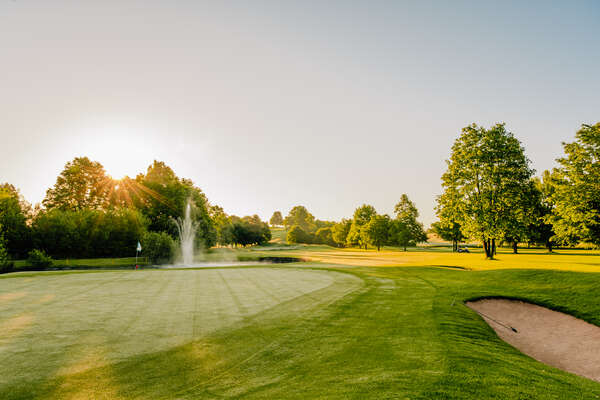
(551, 337)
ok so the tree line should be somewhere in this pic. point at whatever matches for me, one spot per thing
(365, 228)
(88, 214)
(490, 193)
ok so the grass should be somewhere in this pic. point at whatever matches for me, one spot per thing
(338, 328)
(89, 263)
(279, 235)
(563, 259)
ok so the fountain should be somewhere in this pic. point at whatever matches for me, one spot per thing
(187, 234)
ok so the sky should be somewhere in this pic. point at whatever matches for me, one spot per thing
(270, 104)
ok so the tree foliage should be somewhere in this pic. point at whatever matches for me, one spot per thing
(5, 263)
(450, 231)
(300, 216)
(357, 236)
(159, 247)
(88, 233)
(377, 230)
(540, 229)
(249, 230)
(576, 196)
(487, 179)
(297, 235)
(82, 184)
(14, 214)
(405, 229)
(339, 232)
(324, 236)
(162, 197)
(276, 219)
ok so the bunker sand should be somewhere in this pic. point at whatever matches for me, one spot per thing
(551, 337)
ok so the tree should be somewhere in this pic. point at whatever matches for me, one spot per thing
(223, 225)
(162, 197)
(377, 230)
(405, 229)
(82, 184)
(88, 233)
(276, 219)
(5, 263)
(448, 231)
(14, 215)
(324, 236)
(448, 211)
(339, 232)
(540, 230)
(297, 235)
(576, 197)
(487, 175)
(300, 216)
(249, 230)
(356, 235)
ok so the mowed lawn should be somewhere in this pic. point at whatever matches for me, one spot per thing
(562, 259)
(311, 331)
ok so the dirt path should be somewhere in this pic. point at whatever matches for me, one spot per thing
(551, 337)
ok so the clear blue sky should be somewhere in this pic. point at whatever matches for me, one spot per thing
(266, 105)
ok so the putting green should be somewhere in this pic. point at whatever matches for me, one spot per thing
(58, 324)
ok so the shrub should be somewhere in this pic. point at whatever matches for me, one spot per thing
(39, 259)
(159, 247)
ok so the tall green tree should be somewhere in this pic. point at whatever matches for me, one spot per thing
(249, 230)
(449, 231)
(324, 236)
(489, 174)
(377, 230)
(300, 216)
(5, 263)
(276, 219)
(406, 230)
(576, 197)
(162, 197)
(14, 215)
(82, 184)
(357, 235)
(339, 232)
(223, 225)
(540, 230)
(448, 211)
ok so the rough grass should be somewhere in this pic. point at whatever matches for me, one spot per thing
(365, 332)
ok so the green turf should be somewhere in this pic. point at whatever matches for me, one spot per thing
(280, 332)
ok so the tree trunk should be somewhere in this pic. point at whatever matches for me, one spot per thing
(405, 248)
(378, 248)
(487, 246)
(493, 247)
(454, 245)
(515, 247)
(549, 245)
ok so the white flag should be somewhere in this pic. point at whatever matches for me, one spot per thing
(139, 247)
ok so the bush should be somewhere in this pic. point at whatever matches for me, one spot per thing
(159, 247)
(39, 259)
